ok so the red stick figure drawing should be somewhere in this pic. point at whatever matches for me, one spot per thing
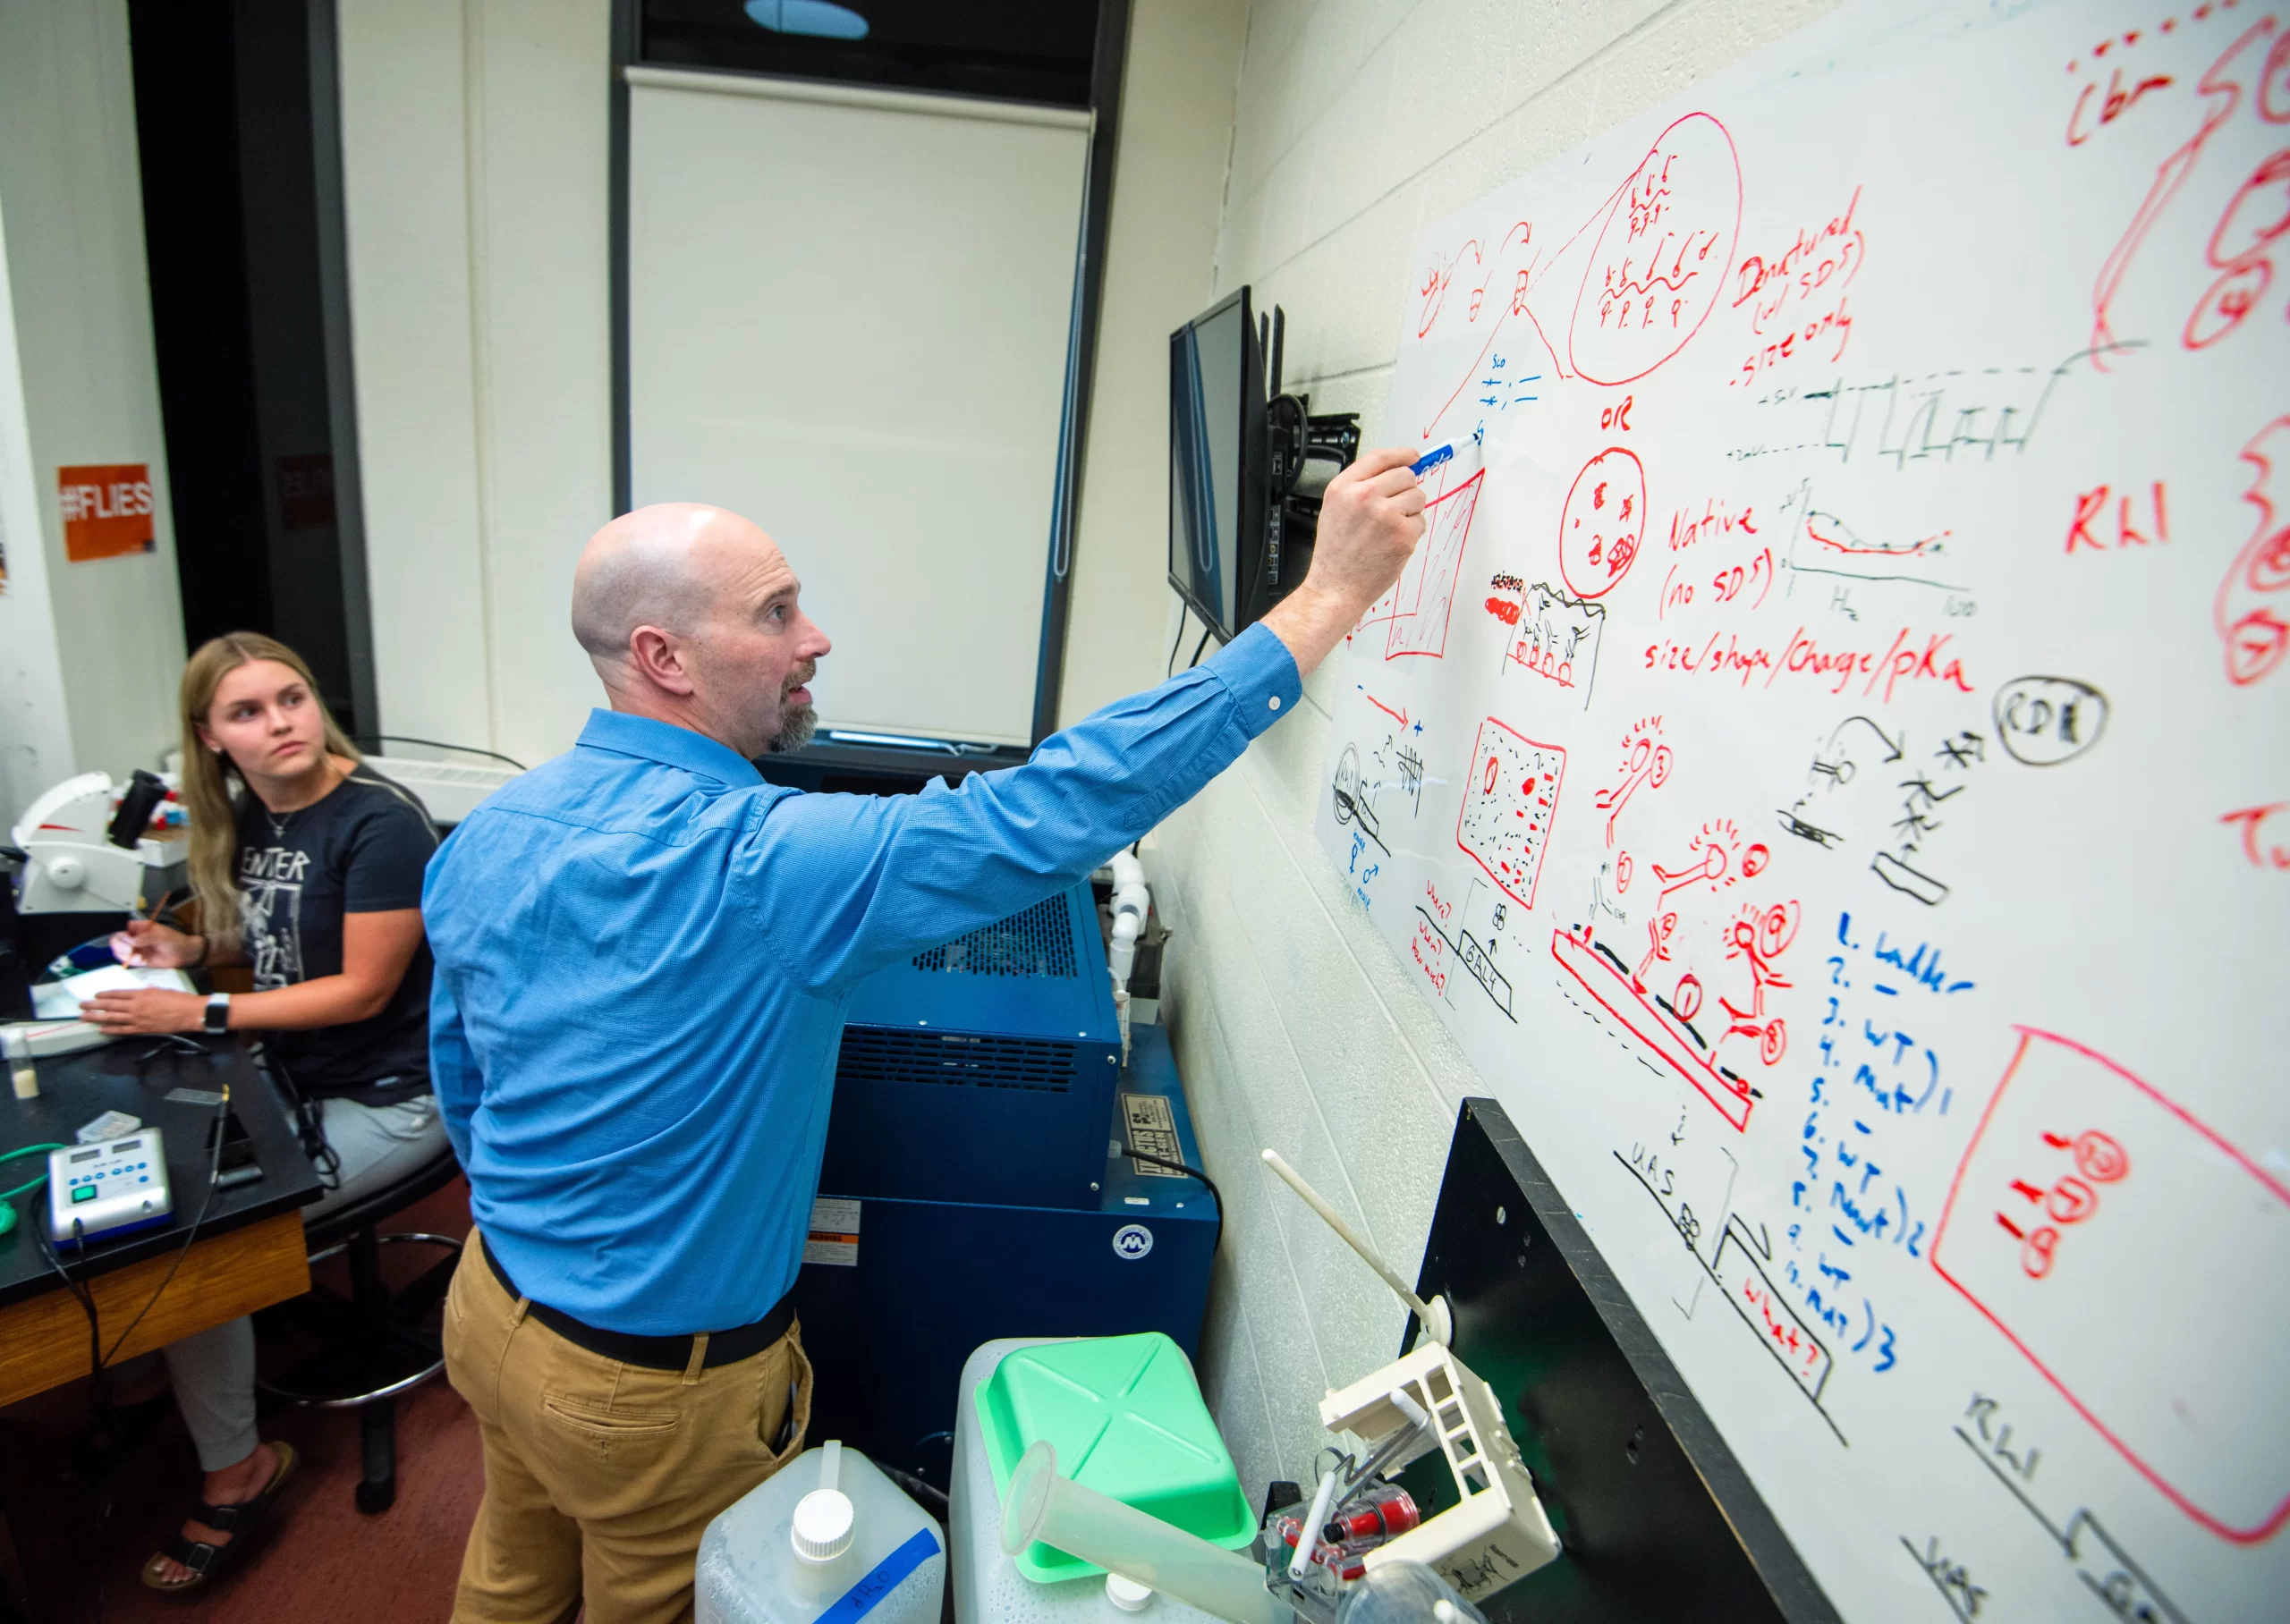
(1645, 760)
(1762, 936)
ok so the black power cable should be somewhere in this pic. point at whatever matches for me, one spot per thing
(99, 1397)
(436, 744)
(310, 1125)
(86, 1300)
(928, 1495)
(214, 1183)
(1169, 665)
(1215, 1194)
(100, 1361)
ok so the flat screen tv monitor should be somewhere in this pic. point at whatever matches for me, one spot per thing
(1219, 484)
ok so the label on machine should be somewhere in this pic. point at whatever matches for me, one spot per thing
(1151, 1127)
(835, 1232)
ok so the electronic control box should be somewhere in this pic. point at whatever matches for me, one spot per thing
(983, 1070)
(99, 1190)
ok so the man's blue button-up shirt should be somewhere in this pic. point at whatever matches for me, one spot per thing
(644, 952)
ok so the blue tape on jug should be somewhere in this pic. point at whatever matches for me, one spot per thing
(860, 1600)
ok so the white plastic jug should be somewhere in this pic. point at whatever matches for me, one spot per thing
(827, 1540)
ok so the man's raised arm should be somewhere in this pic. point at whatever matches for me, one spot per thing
(1372, 517)
(845, 884)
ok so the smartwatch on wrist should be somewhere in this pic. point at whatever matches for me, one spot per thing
(218, 1014)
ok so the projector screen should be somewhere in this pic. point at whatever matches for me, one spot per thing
(848, 319)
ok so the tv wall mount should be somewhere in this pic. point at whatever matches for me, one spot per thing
(1296, 437)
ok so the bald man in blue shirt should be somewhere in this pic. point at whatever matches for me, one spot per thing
(644, 952)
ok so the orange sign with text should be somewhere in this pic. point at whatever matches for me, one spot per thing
(106, 511)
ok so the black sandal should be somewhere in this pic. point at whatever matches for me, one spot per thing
(239, 1521)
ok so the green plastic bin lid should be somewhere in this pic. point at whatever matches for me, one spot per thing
(1125, 1417)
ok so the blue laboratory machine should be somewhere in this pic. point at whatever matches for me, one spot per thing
(978, 1181)
(983, 1070)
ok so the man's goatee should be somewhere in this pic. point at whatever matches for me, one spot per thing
(795, 729)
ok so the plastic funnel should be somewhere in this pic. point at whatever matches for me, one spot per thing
(1121, 1539)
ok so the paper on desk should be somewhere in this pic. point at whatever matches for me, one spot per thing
(61, 1000)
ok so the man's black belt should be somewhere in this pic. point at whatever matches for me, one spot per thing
(654, 1352)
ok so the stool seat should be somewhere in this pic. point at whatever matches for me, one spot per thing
(376, 1342)
(345, 1221)
(355, 1364)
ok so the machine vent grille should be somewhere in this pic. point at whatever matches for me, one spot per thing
(1039, 942)
(873, 1055)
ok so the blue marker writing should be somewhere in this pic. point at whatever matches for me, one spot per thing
(1430, 460)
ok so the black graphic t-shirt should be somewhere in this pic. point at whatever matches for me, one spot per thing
(361, 850)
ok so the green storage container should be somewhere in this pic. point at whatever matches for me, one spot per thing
(1125, 1417)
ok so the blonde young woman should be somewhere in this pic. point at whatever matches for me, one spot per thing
(306, 866)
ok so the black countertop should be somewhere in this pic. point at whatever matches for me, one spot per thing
(134, 1075)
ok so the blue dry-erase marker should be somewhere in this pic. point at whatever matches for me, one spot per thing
(1430, 460)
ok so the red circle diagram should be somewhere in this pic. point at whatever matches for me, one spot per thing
(2270, 569)
(1603, 522)
(2100, 1158)
(1663, 256)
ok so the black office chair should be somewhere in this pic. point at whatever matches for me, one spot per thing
(375, 1343)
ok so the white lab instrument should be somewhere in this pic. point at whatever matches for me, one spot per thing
(96, 1190)
(1495, 1531)
(74, 863)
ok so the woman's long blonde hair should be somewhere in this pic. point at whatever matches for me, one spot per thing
(210, 779)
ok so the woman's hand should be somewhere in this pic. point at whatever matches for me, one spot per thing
(149, 1010)
(147, 942)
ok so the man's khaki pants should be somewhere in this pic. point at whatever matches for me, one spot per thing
(600, 1477)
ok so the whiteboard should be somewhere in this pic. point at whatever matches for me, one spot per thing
(848, 320)
(1827, 764)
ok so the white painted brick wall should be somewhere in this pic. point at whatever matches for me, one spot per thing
(1358, 121)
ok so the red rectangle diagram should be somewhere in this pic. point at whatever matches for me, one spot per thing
(2137, 1259)
(1415, 612)
(1510, 790)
